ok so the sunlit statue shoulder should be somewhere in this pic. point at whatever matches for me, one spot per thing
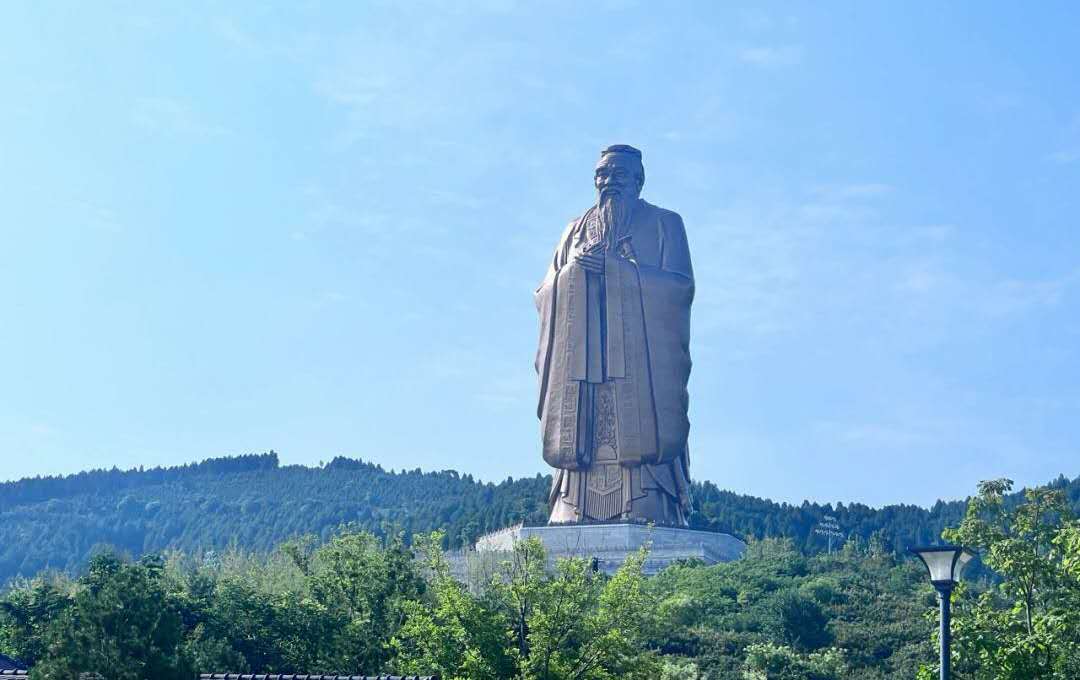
(613, 357)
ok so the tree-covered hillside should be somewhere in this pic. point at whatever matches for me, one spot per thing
(254, 503)
(248, 501)
(355, 603)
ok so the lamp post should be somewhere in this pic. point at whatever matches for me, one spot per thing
(945, 563)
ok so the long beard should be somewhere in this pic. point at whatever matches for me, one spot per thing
(613, 212)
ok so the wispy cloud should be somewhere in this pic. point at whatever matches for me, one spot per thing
(1012, 296)
(493, 382)
(42, 430)
(879, 435)
(238, 38)
(168, 116)
(1068, 151)
(854, 190)
(778, 256)
(457, 199)
(953, 294)
(100, 218)
(771, 56)
(507, 391)
(330, 299)
(828, 261)
(1064, 156)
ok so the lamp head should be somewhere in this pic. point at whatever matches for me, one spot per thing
(944, 563)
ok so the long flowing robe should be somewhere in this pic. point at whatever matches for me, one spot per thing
(613, 362)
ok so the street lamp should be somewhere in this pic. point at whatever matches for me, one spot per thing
(944, 562)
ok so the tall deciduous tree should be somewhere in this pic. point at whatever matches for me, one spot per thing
(450, 633)
(587, 627)
(1027, 626)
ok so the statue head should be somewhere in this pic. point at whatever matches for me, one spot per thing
(619, 173)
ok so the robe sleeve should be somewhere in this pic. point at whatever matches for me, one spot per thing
(545, 299)
(561, 356)
(674, 250)
(667, 292)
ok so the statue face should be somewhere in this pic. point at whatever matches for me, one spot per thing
(617, 175)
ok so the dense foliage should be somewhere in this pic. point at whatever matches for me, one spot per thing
(1027, 626)
(351, 601)
(355, 604)
(253, 503)
(776, 613)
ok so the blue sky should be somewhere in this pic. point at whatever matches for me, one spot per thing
(230, 227)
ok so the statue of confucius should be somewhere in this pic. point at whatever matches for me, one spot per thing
(614, 357)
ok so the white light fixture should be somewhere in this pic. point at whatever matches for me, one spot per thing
(944, 562)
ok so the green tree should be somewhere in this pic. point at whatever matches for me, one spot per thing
(121, 625)
(450, 633)
(27, 611)
(586, 627)
(367, 583)
(796, 620)
(767, 661)
(676, 668)
(1026, 626)
(518, 587)
(209, 654)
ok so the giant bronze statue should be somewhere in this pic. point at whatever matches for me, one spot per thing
(614, 356)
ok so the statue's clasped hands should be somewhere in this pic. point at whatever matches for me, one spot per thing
(592, 258)
(592, 262)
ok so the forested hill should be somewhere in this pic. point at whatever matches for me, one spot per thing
(254, 502)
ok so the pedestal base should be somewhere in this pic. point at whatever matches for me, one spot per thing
(611, 544)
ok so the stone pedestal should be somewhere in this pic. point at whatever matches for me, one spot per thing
(611, 544)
